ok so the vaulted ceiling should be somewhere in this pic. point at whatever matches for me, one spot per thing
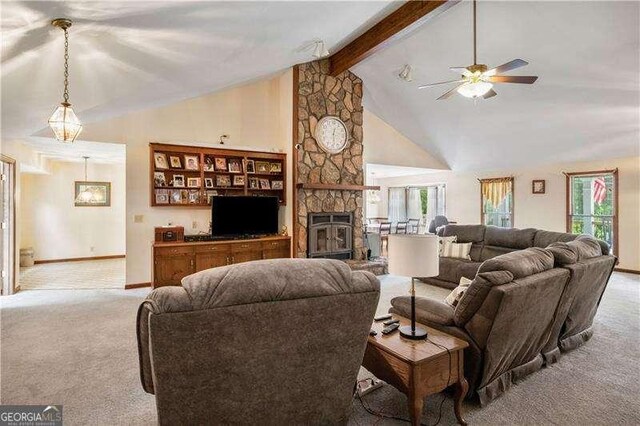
(132, 55)
(584, 106)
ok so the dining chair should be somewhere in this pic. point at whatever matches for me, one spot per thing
(414, 225)
(385, 230)
(401, 227)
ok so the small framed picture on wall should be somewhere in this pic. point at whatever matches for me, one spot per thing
(538, 186)
(191, 162)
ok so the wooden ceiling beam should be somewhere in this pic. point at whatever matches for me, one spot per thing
(403, 20)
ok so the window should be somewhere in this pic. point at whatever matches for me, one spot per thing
(496, 202)
(592, 205)
(416, 202)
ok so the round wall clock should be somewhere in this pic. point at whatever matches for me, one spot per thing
(331, 134)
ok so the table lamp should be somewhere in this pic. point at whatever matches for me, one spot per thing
(413, 255)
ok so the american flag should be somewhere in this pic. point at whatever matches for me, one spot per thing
(599, 190)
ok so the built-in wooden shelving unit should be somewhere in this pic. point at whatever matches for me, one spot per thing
(188, 176)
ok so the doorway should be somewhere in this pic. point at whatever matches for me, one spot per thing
(7, 225)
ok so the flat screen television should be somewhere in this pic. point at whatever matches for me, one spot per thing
(243, 215)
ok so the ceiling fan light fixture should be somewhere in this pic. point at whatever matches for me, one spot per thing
(475, 90)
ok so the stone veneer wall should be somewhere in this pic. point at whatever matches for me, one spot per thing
(319, 95)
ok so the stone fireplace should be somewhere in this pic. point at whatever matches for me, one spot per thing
(330, 235)
(327, 186)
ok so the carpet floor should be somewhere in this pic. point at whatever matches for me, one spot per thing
(78, 348)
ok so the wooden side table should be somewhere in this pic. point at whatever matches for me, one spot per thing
(418, 368)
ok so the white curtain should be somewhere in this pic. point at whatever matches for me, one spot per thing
(414, 204)
(397, 205)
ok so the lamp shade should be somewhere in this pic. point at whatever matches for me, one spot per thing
(413, 255)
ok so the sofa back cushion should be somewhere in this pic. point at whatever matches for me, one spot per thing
(582, 248)
(521, 263)
(467, 234)
(498, 241)
(545, 238)
(498, 271)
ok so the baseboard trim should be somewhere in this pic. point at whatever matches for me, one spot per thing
(138, 285)
(628, 271)
(79, 259)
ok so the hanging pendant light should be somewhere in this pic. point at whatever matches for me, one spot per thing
(64, 122)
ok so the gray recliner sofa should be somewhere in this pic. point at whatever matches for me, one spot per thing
(524, 307)
(246, 344)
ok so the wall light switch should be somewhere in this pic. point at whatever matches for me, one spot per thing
(194, 225)
(138, 218)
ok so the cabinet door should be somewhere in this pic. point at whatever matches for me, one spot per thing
(246, 252)
(169, 270)
(276, 249)
(211, 260)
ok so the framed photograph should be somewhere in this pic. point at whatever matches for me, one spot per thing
(276, 184)
(264, 184)
(254, 183)
(208, 183)
(276, 168)
(159, 179)
(538, 186)
(223, 180)
(162, 196)
(194, 197)
(176, 196)
(191, 162)
(251, 166)
(178, 181)
(208, 165)
(160, 160)
(193, 182)
(238, 181)
(235, 165)
(210, 195)
(263, 167)
(175, 162)
(221, 164)
(92, 194)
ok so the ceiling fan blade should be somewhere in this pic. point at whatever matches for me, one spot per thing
(490, 94)
(424, 86)
(460, 70)
(521, 79)
(512, 65)
(450, 93)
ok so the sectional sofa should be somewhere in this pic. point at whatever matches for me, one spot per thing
(533, 296)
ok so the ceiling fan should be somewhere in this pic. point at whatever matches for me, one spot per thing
(477, 80)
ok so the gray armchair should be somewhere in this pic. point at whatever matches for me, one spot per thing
(257, 343)
(437, 222)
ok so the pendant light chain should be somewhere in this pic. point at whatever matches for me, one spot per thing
(66, 67)
(474, 33)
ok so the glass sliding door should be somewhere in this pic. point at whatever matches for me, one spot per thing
(592, 205)
(421, 203)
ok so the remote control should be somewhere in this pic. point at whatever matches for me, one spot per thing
(373, 333)
(391, 321)
(382, 317)
(390, 328)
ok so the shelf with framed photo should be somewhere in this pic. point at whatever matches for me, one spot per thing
(182, 175)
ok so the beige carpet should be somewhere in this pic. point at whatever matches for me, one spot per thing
(85, 274)
(78, 348)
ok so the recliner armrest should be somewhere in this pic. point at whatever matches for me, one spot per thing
(433, 310)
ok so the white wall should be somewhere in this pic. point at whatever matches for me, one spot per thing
(385, 145)
(56, 229)
(256, 116)
(539, 211)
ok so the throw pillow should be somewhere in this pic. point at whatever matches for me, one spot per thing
(454, 297)
(457, 250)
(443, 240)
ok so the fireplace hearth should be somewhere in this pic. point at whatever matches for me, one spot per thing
(330, 236)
